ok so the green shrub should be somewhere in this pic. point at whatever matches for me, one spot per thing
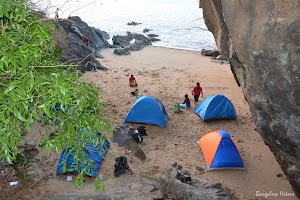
(32, 82)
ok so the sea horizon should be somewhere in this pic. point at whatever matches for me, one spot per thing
(179, 25)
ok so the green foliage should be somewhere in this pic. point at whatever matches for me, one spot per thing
(19, 165)
(98, 185)
(32, 83)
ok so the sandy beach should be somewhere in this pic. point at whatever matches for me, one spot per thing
(169, 74)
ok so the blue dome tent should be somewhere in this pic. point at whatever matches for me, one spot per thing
(219, 151)
(216, 107)
(148, 110)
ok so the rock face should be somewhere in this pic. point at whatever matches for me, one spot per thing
(134, 188)
(121, 188)
(196, 189)
(76, 51)
(133, 23)
(212, 53)
(261, 39)
(130, 42)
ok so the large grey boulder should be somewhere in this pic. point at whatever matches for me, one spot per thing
(145, 30)
(212, 53)
(132, 23)
(122, 51)
(130, 42)
(196, 189)
(262, 41)
(123, 40)
(76, 51)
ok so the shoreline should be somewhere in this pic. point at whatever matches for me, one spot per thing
(184, 49)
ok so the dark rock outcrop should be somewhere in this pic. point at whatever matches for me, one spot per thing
(133, 23)
(151, 35)
(196, 189)
(212, 53)
(76, 51)
(123, 41)
(262, 41)
(122, 51)
(130, 42)
(145, 30)
(154, 39)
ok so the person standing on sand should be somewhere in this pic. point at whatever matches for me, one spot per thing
(56, 13)
(196, 92)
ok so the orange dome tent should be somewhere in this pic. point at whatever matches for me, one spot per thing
(219, 151)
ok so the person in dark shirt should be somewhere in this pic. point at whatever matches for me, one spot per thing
(186, 103)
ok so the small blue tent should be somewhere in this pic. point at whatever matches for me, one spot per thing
(148, 110)
(215, 107)
(94, 152)
(219, 151)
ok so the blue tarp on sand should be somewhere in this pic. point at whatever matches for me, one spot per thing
(94, 152)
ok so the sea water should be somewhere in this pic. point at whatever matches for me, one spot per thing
(178, 23)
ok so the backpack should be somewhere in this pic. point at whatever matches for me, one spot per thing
(134, 92)
(142, 130)
(176, 108)
(137, 137)
(121, 165)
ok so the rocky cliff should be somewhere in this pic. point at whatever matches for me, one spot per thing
(74, 50)
(261, 39)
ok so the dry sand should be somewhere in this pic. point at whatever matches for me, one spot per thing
(169, 74)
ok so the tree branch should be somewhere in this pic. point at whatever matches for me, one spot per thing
(83, 59)
(2, 27)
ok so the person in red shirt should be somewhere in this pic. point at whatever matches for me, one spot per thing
(132, 81)
(196, 92)
(85, 39)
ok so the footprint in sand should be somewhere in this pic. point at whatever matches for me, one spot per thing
(114, 111)
(125, 70)
(155, 75)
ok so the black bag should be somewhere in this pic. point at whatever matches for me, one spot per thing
(121, 165)
(142, 130)
(137, 137)
(183, 177)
